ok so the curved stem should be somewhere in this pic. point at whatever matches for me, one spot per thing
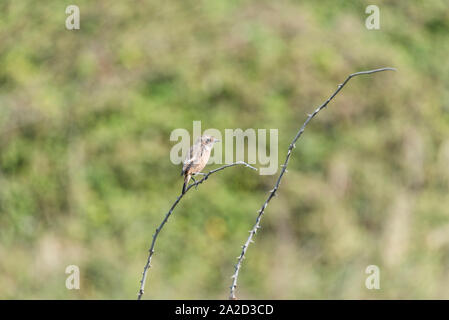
(158, 229)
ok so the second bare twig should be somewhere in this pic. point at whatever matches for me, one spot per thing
(256, 226)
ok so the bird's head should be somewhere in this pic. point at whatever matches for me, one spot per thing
(208, 141)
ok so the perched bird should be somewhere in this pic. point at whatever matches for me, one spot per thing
(197, 158)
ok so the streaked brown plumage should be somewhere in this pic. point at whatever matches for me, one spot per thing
(197, 158)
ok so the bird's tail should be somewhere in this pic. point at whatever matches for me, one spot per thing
(186, 182)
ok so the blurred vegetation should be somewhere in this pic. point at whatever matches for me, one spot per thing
(85, 174)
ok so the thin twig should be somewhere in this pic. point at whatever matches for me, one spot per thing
(256, 226)
(158, 230)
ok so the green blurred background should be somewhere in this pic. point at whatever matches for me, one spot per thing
(85, 173)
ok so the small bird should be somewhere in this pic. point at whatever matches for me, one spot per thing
(197, 158)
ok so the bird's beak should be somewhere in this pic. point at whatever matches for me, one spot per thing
(217, 140)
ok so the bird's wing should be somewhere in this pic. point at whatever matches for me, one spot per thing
(191, 157)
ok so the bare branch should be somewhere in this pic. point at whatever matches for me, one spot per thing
(158, 230)
(256, 226)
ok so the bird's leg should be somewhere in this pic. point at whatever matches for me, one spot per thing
(194, 182)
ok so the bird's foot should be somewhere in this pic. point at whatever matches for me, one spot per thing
(203, 174)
